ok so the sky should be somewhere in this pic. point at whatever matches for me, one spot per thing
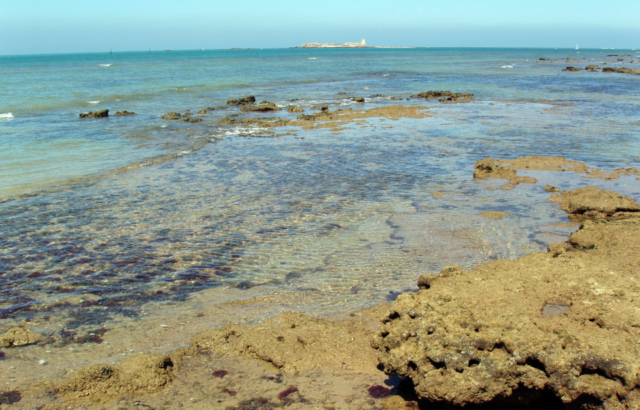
(73, 26)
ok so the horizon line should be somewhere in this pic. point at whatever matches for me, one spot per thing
(304, 48)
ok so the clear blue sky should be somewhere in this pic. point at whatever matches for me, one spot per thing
(60, 26)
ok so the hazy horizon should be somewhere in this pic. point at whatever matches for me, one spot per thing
(71, 26)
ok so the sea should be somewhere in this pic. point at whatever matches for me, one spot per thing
(107, 222)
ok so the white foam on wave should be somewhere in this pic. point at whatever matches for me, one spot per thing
(312, 58)
(105, 65)
(93, 102)
(6, 116)
(507, 66)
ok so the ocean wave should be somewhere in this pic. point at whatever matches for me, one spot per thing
(6, 116)
(93, 102)
(312, 58)
(105, 65)
(507, 66)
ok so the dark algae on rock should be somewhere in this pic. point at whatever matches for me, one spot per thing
(446, 97)
(560, 326)
(97, 114)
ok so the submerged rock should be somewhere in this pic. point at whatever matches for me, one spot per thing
(620, 70)
(190, 119)
(561, 325)
(124, 113)
(262, 107)
(489, 168)
(293, 109)
(457, 98)
(97, 114)
(570, 68)
(172, 116)
(249, 100)
(19, 336)
(358, 99)
(444, 96)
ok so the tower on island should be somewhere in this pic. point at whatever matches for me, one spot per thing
(364, 43)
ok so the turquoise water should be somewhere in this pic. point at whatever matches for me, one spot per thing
(348, 219)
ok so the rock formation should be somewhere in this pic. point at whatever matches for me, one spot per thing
(124, 113)
(562, 325)
(172, 116)
(249, 100)
(446, 97)
(134, 375)
(97, 114)
(18, 337)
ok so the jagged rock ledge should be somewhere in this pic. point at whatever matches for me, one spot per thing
(561, 325)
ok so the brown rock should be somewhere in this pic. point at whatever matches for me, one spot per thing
(562, 323)
(243, 101)
(124, 113)
(203, 111)
(293, 109)
(172, 116)
(358, 99)
(263, 107)
(572, 69)
(488, 168)
(620, 70)
(19, 336)
(551, 188)
(190, 119)
(445, 96)
(594, 203)
(97, 114)
(134, 375)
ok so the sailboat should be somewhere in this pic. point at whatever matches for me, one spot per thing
(577, 48)
(110, 52)
(149, 49)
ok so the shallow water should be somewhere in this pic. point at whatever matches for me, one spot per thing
(313, 221)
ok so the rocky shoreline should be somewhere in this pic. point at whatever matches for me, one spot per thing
(548, 330)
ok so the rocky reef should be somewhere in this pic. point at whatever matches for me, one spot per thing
(97, 114)
(446, 97)
(562, 326)
(249, 100)
(124, 113)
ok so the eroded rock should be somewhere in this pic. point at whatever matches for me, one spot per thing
(124, 113)
(561, 324)
(19, 336)
(262, 107)
(134, 375)
(446, 97)
(489, 168)
(249, 100)
(594, 203)
(97, 114)
(172, 116)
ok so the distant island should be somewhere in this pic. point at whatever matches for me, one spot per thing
(362, 44)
